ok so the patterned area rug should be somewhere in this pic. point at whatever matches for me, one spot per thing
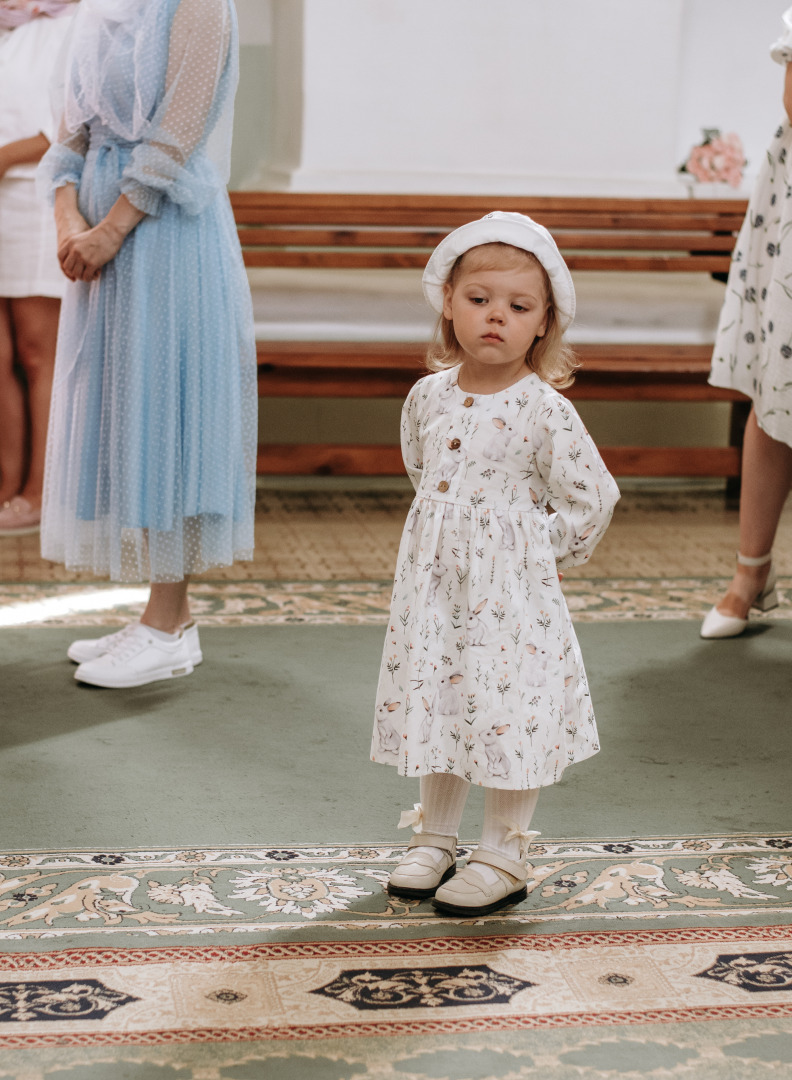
(329, 892)
(364, 603)
(665, 957)
(336, 979)
(691, 1002)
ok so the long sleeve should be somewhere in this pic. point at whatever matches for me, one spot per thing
(580, 489)
(63, 163)
(412, 453)
(160, 166)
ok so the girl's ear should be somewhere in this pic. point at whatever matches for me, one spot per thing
(543, 328)
(447, 293)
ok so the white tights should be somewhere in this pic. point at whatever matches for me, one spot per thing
(443, 800)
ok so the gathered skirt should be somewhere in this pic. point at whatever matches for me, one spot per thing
(753, 347)
(151, 452)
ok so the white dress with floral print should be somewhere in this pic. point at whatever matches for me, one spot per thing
(753, 347)
(482, 674)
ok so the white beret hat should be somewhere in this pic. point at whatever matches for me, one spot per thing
(506, 228)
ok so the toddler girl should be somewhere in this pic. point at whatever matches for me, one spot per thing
(482, 680)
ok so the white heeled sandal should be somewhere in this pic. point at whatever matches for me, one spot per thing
(717, 625)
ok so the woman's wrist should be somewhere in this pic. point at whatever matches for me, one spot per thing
(114, 232)
(121, 219)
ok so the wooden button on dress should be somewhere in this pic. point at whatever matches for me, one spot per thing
(455, 444)
(468, 402)
(443, 485)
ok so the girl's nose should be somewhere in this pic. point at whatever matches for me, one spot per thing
(495, 314)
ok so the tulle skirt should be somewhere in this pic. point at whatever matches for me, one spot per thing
(152, 441)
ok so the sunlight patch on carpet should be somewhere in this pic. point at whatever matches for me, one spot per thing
(350, 603)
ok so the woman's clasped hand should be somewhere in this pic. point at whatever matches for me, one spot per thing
(83, 251)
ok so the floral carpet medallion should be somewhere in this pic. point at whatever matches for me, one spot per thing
(340, 889)
(360, 603)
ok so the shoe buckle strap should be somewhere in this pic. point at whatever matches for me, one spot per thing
(445, 843)
(499, 862)
(750, 560)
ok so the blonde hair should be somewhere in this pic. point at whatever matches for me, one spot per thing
(549, 356)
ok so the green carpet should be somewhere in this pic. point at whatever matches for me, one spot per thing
(267, 743)
(226, 919)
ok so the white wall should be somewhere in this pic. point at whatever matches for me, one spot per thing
(512, 96)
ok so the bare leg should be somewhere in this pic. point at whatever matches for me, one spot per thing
(766, 480)
(168, 607)
(36, 324)
(12, 413)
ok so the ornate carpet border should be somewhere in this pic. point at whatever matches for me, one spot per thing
(398, 1029)
(302, 992)
(340, 603)
(341, 888)
(110, 956)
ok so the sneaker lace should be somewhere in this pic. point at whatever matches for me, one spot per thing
(129, 644)
(113, 641)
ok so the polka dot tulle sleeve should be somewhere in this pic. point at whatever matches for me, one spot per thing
(161, 165)
(64, 161)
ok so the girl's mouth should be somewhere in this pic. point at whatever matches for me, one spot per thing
(491, 337)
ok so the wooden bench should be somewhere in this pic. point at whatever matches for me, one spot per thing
(378, 232)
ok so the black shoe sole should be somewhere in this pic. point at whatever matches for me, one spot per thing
(474, 913)
(406, 893)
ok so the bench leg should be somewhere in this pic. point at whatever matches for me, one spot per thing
(740, 411)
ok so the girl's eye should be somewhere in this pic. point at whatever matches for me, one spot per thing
(477, 299)
(519, 307)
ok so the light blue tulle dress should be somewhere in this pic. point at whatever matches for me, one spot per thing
(152, 441)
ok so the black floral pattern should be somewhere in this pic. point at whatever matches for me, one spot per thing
(417, 988)
(754, 972)
(59, 999)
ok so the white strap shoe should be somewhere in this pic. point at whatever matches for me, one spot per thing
(420, 873)
(471, 894)
(717, 625)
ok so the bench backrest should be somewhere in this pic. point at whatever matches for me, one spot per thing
(306, 229)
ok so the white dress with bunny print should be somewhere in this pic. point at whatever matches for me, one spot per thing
(481, 673)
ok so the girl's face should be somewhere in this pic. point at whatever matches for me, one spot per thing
(497, 315)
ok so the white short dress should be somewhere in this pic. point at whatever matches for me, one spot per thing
(28, 57)
(753, 347)
(481, 674)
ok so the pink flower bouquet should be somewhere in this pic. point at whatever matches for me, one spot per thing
(717, 158)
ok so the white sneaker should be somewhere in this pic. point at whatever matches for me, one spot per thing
(137, 659)
(92, 648)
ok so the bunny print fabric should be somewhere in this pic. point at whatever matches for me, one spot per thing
(481, 673)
